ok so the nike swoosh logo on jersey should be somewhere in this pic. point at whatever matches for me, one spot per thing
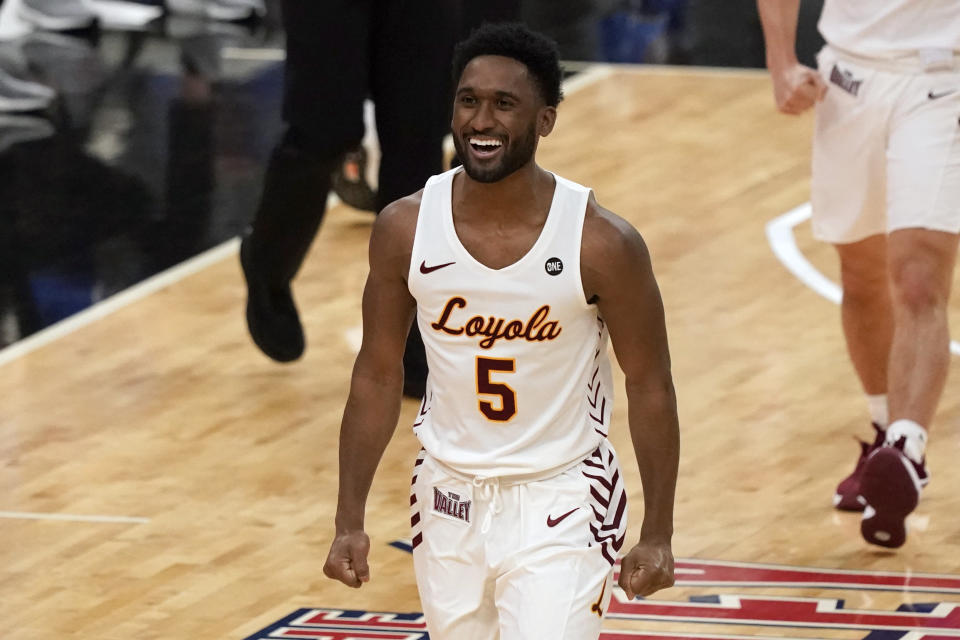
(425, 269)
(552, 522)
(933, 96)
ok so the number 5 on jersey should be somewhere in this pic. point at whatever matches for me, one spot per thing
(503, 409)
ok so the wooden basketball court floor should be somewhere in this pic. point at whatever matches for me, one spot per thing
(160, 478)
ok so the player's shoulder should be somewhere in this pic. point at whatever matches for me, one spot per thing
(607, 236)
(613, 256)
(402, 211)
(398, 220)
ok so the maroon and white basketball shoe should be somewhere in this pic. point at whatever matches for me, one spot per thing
(890, 487)
(847, 496)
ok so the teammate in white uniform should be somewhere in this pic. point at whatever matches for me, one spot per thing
(516, 276)
(886, 193)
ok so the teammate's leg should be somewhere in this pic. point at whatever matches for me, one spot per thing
(867, 317)
(923, 169)
(921, 275)
(866, 310)
(849, 211)
(921, 272)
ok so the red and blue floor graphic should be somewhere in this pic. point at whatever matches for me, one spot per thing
(718, 605)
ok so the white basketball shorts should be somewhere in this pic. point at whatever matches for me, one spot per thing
(886, 150)
(498, 559)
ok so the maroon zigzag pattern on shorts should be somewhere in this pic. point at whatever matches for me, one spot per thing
(608, 499)
(416, 529)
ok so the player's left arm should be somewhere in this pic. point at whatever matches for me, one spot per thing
(618, 277)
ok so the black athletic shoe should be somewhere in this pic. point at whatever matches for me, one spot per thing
(272, 317)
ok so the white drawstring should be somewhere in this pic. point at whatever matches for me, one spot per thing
(490, 491)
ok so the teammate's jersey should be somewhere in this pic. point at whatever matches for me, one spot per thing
(519, 378)
(891, 28)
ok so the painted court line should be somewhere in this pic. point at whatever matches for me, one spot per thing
(71, 517)
(784, 245)
(674, 70)
(118, 301)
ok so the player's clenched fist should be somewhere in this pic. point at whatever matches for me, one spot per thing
(646, 569)
(347, 560)
(796, 88)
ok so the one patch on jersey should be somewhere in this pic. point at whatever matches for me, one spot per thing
(451, 505)
(553, 266)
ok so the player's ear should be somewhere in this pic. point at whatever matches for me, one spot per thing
(546, 119)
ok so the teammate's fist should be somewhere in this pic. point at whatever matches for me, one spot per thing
(347, 560)
(646, 569)
(796, 88)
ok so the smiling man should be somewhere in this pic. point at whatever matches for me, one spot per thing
(517, 277)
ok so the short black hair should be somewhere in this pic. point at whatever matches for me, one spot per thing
(514, 40)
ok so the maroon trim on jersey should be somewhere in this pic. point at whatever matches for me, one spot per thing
(425, 405)
(595, 393)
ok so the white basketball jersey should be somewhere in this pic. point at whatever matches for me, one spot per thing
(890, 28)
(519, 378)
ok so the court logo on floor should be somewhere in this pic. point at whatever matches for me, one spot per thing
(733, 594)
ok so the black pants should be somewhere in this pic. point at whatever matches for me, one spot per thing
(397, 52)
(339, 52)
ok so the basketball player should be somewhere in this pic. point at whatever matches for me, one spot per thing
(516, 277)
(886, 193)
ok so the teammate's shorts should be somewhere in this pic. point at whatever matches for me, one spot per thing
(886, 151)
(511, 560)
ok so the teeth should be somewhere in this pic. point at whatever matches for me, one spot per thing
(483, 142)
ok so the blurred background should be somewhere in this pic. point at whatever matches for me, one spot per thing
(134, 133)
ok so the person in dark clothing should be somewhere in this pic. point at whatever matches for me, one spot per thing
(339, 52)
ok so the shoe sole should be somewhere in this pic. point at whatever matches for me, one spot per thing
(890, 488)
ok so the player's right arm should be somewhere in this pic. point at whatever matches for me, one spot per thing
(796, 87)
(373, 406)
(618, 276)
